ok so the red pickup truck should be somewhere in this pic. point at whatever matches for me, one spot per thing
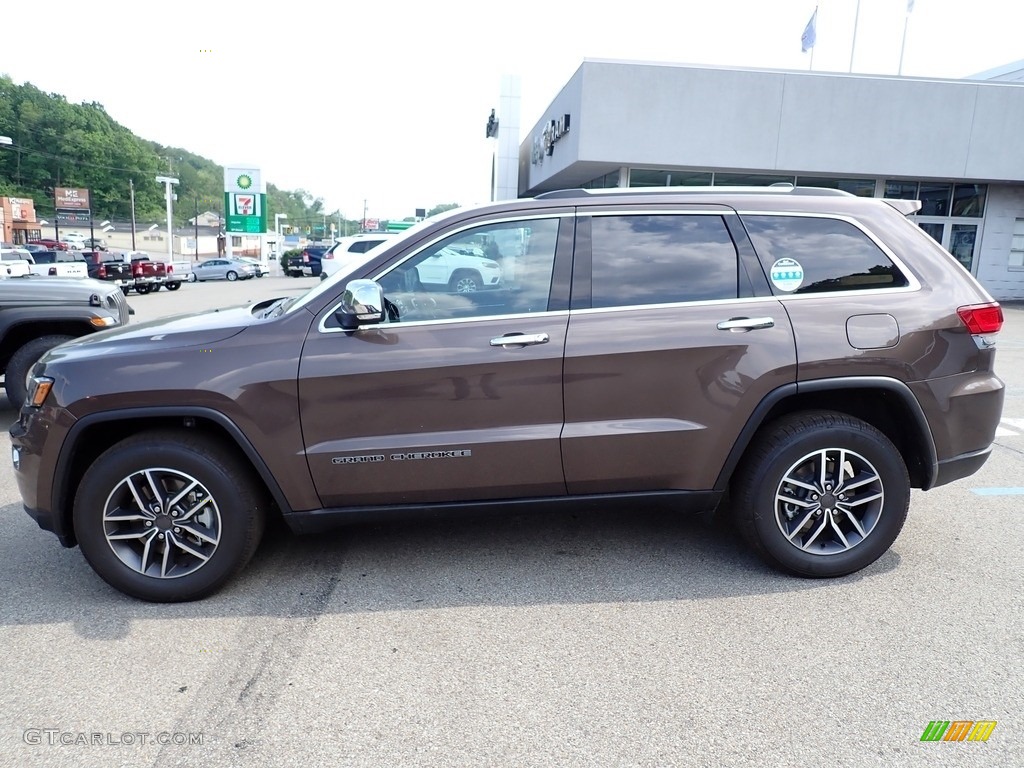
(149, 275)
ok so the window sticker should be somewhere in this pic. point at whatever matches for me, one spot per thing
(787, 274)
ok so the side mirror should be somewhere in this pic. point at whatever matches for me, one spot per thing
(361, 304)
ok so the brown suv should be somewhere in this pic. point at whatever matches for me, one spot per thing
(814, 353)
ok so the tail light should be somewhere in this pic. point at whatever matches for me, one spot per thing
(982, 318)
(103, 271)
(170, 269)
(305, 257)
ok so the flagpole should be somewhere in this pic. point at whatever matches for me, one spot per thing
(906, 21)
(853, 45)
(811, 67)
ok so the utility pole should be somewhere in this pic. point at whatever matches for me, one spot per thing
(131, 191)
(196, 222)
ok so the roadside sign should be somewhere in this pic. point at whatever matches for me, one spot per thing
(245, 201)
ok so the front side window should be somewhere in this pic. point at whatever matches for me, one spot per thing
(803, 254)
(661, 259)
(495, 269)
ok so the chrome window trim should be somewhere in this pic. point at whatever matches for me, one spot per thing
(450, 321)
(469, 225)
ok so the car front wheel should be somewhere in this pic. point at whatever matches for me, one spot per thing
(821, 494)
(191, 277)
(465, 281)
(168, 516)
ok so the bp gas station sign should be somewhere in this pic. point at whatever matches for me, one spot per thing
(245, 201)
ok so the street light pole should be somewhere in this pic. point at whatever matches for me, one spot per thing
(168, 181)
(5, 141)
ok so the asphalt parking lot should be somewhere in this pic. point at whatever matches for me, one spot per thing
(590, 639)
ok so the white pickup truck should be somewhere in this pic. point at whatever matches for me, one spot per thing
(14, 261)
(58, 264)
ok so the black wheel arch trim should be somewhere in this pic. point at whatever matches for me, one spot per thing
(895, 386)
(59, 503)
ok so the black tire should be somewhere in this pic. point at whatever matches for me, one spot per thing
(142, 290)
(21, 363)
(227, 531)
(232, 275)
(157, 287)
(795, 447)
(191, 277)
(173, 286)
(295, 274)
(465, 281)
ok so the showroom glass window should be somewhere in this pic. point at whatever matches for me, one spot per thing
(496, 269)
(805, 254)
(642, 177)
(901, 190)
(661, 259)
(858, 187)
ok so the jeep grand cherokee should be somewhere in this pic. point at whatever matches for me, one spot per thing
(814, 353)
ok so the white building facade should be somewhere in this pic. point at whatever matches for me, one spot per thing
(956, 145)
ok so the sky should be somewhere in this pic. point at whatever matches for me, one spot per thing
(382, 106)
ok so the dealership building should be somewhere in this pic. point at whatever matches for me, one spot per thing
(955, 145)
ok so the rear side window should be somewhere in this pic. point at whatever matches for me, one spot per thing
(362, 246)
(661, 259)
(803, 254)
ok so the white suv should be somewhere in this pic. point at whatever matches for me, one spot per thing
(348, 250)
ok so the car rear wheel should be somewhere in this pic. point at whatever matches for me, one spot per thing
(232, 275)
(21, 363)
(169, 516)
(821, 494)
(143, 289)
(173, 286)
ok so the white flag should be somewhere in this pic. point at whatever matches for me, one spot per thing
(810, 34)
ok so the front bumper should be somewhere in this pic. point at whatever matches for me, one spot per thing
(36, 440)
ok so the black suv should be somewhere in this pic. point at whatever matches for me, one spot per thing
(813, 353)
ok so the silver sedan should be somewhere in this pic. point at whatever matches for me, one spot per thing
(221, 269)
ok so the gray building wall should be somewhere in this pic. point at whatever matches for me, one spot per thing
(659, 115)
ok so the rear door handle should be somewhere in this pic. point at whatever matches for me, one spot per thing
(746, 323)
(519, 340)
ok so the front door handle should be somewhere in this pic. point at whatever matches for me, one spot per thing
(520, 340)
(746, 323)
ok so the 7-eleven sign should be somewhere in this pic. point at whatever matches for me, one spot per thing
(245, 205)
(246, 211)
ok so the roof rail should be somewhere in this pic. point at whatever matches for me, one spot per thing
(774, 189)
